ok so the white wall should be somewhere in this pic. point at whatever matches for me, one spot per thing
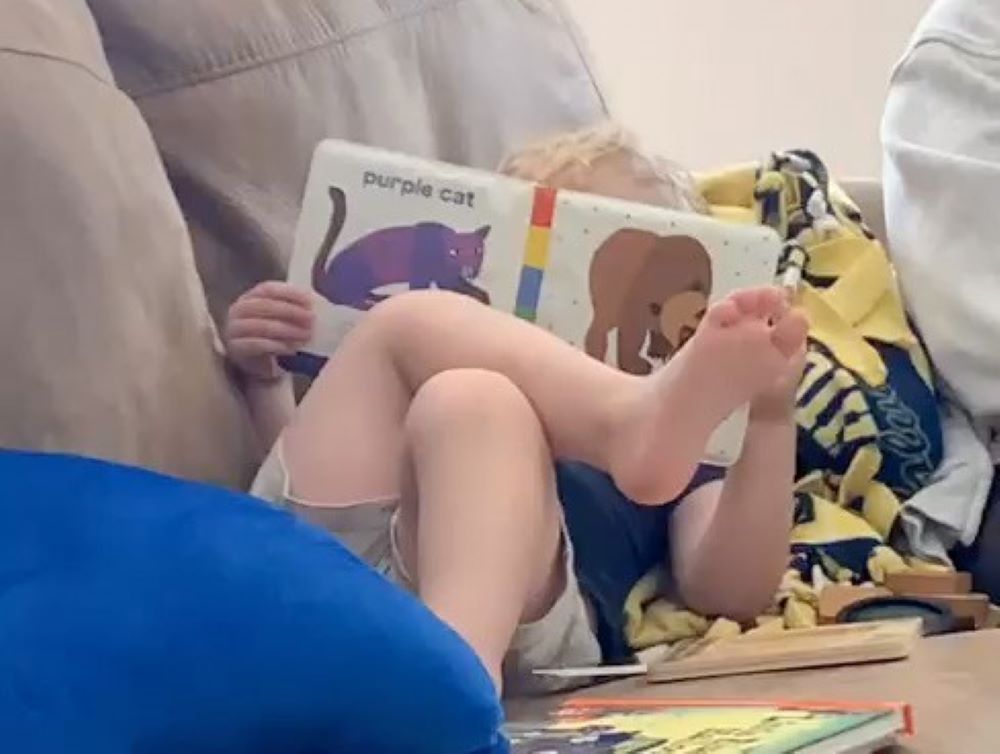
(715, 81)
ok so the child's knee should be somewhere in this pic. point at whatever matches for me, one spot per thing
(402, 315)
(475, 399)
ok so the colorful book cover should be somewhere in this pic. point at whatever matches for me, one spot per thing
(676, 727)
(627, 283)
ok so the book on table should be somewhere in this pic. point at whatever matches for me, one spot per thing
(633, 726)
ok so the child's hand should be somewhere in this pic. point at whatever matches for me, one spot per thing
(270, 320)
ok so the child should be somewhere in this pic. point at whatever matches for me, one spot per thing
(429, 445)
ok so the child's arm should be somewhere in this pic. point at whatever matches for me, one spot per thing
(272, 319)
(729, 540)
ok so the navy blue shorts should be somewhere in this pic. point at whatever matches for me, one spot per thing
(616, 542)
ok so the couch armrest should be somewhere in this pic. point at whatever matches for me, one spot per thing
(110, 348)
(867, 194)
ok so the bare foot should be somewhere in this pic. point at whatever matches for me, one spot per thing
(744, 345)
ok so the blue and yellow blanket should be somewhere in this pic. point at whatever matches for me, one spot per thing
(869, 431)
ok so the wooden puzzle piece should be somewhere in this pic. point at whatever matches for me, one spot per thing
(929, 583)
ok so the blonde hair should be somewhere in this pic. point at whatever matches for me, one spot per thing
(568, 160)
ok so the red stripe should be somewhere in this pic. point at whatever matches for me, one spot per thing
(545, 207)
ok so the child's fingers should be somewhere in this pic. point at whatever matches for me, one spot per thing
(267, 329)
(282, 291)
(251, 307)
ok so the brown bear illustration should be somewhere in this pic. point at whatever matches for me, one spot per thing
(679, 318)
(634, 275)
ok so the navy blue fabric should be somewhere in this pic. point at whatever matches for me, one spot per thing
(141, 615)
(982, 558)
(616, 542)
(905, 410)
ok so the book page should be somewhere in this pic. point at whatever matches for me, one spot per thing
(426, 210)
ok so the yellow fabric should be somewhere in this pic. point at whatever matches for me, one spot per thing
(864, 303)
(651, 619)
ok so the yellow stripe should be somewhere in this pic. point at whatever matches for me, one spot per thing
(819, 367)
(864, 427)
(536, 250)
(881, 509)
(832, 524)
(809, 414)
(828, 434)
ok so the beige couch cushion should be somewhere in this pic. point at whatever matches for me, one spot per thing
(239, 92)
(867, 194)
(109, 347)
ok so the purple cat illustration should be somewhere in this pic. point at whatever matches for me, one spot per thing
(422, 256)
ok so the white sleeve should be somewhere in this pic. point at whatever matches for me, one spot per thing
(942, 179)
(950, 508)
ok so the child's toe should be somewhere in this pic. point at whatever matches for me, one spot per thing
(760, 303)
(773, 303)
(789, 334)
(723, 314)
(747, 301)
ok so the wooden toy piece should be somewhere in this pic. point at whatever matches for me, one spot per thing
(993, 617)
(836, 597)
(926, 584)
(974, 608)
(825, 646)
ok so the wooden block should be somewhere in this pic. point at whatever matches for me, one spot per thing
(993, 618)
(929, 583)
(836, 597)
(820, 647)
(974, 608)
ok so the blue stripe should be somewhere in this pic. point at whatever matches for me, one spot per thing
(821, 382)
(529, 292)
(835, 408)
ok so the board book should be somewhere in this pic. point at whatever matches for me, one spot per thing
(625, 282)
(634, 726)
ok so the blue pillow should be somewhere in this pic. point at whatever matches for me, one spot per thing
(142, 614)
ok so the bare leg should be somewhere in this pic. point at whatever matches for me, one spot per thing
(346, 444)
(483, 544)
(740, 348)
